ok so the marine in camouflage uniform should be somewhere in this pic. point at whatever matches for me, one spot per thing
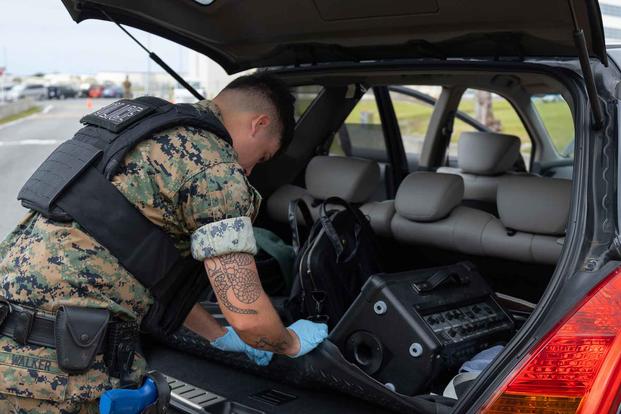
(185, 180)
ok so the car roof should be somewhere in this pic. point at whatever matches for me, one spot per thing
(241, 35)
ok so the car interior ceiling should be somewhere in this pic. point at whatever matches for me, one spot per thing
(504, 223)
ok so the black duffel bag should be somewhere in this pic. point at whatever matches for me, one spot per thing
(338, 256)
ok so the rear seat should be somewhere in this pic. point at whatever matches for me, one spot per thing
(483, 158)
(352, 179)
(428, 212)
(533, 215)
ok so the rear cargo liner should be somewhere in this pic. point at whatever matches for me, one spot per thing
(323, 370)
(190, 399)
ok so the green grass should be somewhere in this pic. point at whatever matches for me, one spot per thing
(20, 115)
(558, 121)
(414, 118)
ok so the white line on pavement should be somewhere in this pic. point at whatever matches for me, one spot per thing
(29, 142)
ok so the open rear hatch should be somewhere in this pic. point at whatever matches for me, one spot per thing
(247, 34)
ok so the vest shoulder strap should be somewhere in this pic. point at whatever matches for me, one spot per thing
(134, 125)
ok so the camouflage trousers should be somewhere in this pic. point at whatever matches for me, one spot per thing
(11, 404)
(31, 381)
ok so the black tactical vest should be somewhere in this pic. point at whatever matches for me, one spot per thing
(73, 184)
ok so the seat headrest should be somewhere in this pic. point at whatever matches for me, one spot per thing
(487, 153)
(427, 196)
(352, 179)
(534, 204)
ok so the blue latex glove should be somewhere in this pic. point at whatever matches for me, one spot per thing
(231, 342)
(310, 334)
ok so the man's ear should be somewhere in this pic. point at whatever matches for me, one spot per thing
(260, 124)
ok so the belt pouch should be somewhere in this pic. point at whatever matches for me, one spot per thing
(78, 334)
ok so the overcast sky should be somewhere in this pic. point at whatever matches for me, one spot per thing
(40, 36)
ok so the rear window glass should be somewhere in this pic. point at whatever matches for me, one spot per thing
(496, 113)
(361, 135)
(413, 115)
(558, 121)
(304, 96)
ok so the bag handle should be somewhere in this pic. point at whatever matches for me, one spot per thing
(360, 218)
(294, 206)
(438, 279)
(326, 223)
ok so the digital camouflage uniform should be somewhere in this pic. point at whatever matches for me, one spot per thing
(184, 180)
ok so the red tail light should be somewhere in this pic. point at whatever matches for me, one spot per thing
(576, 368)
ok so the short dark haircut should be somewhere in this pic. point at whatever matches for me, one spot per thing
(277, 92)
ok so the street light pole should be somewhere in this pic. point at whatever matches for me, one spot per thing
(3, 73)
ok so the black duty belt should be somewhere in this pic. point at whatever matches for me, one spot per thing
(26, 326)
(77, 334)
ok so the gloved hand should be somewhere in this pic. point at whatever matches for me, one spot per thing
(231, 342)
(310, 334)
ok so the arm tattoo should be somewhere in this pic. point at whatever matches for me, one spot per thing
(234, 273)
(264, 343)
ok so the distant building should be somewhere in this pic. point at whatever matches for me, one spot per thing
(211, 76)
(62, 79)
(611, 14)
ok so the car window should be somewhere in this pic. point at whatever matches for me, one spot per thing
(496, 113)
(459, 126)
(413, 116)
(361, 135)
(304, 96)
(558, 121)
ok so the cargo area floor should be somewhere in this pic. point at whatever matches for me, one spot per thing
(247, 393)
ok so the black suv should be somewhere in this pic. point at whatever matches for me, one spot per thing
(391, 85)
(61, 92)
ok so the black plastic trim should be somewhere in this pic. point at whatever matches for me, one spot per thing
(392, 136)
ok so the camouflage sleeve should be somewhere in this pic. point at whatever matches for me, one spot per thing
(218, 206)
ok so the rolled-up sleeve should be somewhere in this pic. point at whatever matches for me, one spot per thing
(218, 207)
(233, 235)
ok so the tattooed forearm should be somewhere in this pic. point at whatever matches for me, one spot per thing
(278, 347)
(239, 259)
(235, 273)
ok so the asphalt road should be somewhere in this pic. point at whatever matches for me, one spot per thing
(27, 142)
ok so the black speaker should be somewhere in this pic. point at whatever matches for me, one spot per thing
(406, 329)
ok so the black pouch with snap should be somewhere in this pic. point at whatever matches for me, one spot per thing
(79, 334)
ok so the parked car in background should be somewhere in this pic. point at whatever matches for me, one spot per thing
(83, 90)
(33, 91)
(61, 92)
(4, 92)
(182, 95)
(95, 91)
(112, 91)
